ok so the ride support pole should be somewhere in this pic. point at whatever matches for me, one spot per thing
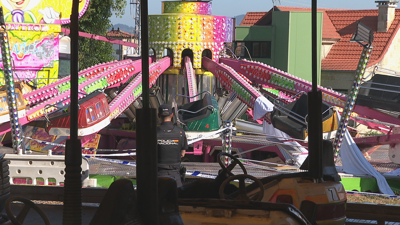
(146, 136)
(72, 211)
(314, 107)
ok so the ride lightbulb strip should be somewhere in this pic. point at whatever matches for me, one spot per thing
(223, 137)
(230, 141)
(227, 159)
(191, 79)
(227, 141)
(16, 129)
(351, 99)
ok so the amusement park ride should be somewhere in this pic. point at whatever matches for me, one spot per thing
(246, 80)
(188, 54)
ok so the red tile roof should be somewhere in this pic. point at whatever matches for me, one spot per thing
(265, 18)
(345, 55)
(340, 24)
(119, 34)
(251, 18)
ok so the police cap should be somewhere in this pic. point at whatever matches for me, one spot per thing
(164, 110)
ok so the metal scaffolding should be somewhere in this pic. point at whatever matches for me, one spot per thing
(135, 13)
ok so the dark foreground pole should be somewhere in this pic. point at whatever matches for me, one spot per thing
(315, 108)
(146, 174)
(72, 212)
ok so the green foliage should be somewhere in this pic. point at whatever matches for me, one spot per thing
(373, 133)
(118, 7)
(96, 21)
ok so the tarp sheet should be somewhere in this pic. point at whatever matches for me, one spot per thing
(261, 107)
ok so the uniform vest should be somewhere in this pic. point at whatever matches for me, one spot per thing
(169, 146)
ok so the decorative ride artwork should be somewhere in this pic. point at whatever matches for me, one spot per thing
(34, 28)
(40, 11)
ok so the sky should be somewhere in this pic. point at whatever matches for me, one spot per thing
(232, 8)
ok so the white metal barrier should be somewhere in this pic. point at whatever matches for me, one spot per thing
(36, 167)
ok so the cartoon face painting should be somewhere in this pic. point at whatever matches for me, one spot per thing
(19, 10)
(40, 11)
(35, 27)
(18, 4)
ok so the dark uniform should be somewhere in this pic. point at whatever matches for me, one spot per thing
(171, 141)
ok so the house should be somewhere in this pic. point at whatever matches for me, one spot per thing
(119, 50)
(339, 57)
(339, 65)
(279, 38)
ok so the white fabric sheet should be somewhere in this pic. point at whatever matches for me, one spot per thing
(270, 130)
(261, 107)
(353, 160)
(355, 163)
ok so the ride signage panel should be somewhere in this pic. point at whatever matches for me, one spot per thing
(34, 28)
(40, 11)
(34, 50)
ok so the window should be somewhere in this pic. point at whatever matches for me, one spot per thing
(256, 49)
(64, 65)
(90, 115)
(19, 98)
(3, 104)
(240, 51)
(151, 52)
(265, 49)
(206, 53)
(99, 110)
(106, 107)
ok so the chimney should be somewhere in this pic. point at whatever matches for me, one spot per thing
(387, 12)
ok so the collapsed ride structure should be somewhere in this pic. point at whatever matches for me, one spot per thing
(192, 70)
(207, 89)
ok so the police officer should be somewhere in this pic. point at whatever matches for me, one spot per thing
(172, 145)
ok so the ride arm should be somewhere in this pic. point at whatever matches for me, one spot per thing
(134, 89)
(280, 80)
(233, 82)
(115, 75)
(191, 79)
(63, 85)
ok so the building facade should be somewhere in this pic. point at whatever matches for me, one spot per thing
(121, 51)
(339, 65)
(288, 29)
(282, 39)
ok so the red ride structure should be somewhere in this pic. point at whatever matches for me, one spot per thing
(93, 115)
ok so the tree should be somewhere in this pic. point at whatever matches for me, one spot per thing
(96, 20)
